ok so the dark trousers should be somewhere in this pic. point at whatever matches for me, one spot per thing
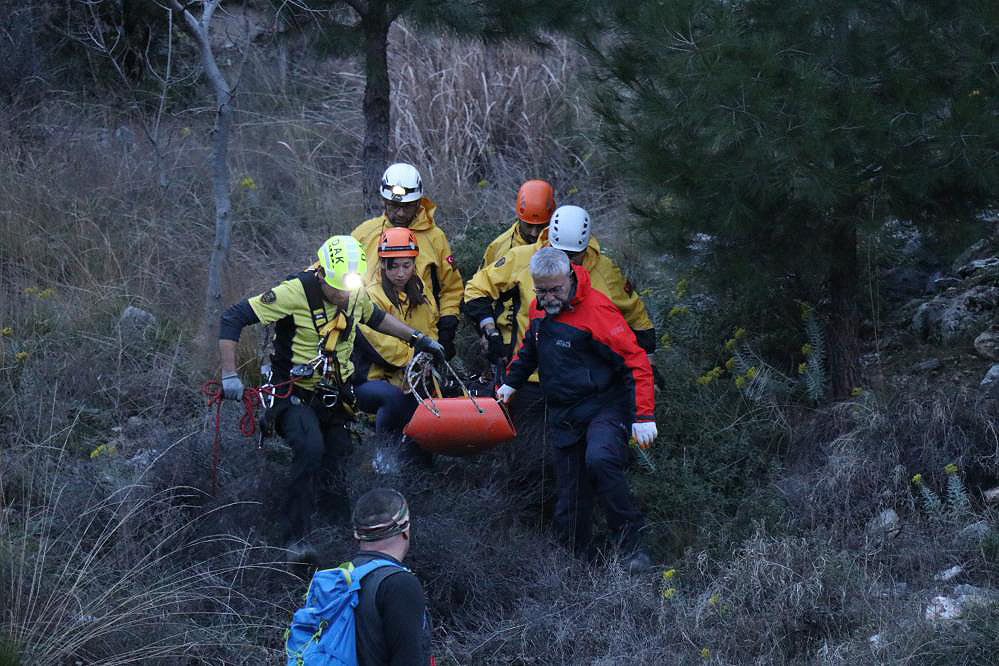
(319, 442)
(530, 480)
(392, 408)
(590, 461)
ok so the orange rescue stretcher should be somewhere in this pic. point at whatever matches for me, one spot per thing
(454, 426)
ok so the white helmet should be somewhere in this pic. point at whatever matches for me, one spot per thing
(401, 182)
(569, 229)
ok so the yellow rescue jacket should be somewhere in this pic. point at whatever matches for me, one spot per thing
(435, 263)
(510, 239)
(502, 244)
(296, 339)
(508, 279)
(394, 351)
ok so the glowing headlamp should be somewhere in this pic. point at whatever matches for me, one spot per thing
(398, 190)
(352, 281)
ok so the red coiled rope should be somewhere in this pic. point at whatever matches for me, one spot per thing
(252, 397)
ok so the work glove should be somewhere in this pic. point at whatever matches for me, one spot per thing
(232, 387)
(504, 393)
(646, 339)
(644, 433)
(497, 350)
(431, 346)
(446, 328)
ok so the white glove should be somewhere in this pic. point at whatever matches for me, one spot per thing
(232, 387)
(504, 393)
(644, 433)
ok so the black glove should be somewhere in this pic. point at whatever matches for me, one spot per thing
(446, 328)
(497, 350)
(423, 343)
(646, 340)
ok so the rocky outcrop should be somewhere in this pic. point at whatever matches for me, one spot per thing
(987, 343)
(966, 305)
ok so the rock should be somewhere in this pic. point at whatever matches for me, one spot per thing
(992, 494)
(949, 608)
(991, 380)
(981, 250)
(956, 318)
(988, 264)
(928, 365)
(987, 343)
(884, 525)
(942, 284)
(135, 322)
(942, 609)
(875, 642)
(949, 574)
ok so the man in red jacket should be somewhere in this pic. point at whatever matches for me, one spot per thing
(598, 386)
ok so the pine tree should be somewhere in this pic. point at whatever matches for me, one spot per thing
(783, 130)
(360, 28)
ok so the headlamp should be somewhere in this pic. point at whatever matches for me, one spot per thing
(398, 190)
(352, 281)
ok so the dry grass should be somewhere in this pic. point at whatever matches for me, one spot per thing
(107, 572)
(123, 558)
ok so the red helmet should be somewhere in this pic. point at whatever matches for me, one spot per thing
(397, 242)
(535, 202)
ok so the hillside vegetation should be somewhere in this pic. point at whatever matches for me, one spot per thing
(787, 528)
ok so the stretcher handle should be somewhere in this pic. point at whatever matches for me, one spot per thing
(416, 367)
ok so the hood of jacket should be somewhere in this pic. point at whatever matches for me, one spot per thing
(424, 219)
(583, 284)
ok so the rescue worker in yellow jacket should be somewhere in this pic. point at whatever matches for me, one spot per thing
(534, 206)
(315, 316)
(405, 206)
(399, 292)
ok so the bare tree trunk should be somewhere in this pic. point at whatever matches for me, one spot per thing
(844, 316)
(220, 159)
(375, 156)
(282, 38)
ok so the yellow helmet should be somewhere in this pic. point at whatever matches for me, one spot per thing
(343, 261)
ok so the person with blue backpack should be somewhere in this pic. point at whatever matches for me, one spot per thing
(371, 610)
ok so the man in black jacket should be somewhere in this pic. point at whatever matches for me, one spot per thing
(393, 628)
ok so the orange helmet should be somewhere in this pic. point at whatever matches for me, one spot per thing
(397, 242)
(535, 202)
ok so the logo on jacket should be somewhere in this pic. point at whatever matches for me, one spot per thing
(268, 297)
(563, 343)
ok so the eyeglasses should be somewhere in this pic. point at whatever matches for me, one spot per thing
(550, 291)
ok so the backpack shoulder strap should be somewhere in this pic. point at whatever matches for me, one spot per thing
(314, 297)
(380, 574)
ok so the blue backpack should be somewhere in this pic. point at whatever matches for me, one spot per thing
(322, 632)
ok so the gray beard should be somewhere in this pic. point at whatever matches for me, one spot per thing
(553, 309)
